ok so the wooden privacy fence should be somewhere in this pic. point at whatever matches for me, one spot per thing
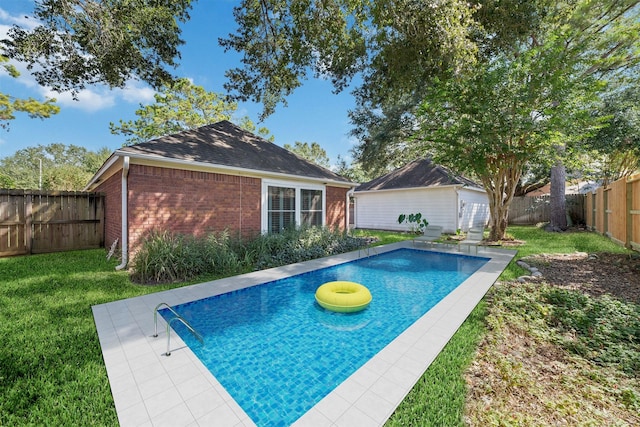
(532, 210)
(614, 211)
(44, 221)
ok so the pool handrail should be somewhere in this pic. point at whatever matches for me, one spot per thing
(177, 317)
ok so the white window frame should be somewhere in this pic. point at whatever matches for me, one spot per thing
(298, 186)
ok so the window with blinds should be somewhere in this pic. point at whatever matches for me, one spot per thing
(281, 209)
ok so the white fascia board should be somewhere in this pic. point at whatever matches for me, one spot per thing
(103, 169)
(390, 190)
(230, 170)
(478, 189)
(431, 187)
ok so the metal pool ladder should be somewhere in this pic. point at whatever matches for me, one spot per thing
(367, 251)
(178, 318)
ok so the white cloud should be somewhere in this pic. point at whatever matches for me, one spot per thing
(22, 20)
(99, 97)
(135, 93)
(91, 99)
(4, 29)
(87, 99)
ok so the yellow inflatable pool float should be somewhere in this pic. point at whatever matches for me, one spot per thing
(343, 297)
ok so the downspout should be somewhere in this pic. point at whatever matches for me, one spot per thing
(124, 241)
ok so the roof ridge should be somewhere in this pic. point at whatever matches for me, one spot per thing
(225, 143)
(412, 175)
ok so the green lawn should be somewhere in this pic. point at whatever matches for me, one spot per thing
(438, 399)
(51, 367)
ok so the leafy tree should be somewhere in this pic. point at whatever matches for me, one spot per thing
(64, 167)
(532, 100)
(617, 145)
(505, 82)
(533, 177)
(399, 47)
(246, 123)
(75, 43)
(9, 104)
(385, 134)
(179, 106)
(395, 45)
(80, 42)
(6, 181)
(353, 171)
(312, 152)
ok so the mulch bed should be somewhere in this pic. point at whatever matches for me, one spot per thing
(595, 274)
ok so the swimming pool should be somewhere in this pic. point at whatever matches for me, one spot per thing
(278, 353)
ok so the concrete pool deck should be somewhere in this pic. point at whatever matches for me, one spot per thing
(151, 389)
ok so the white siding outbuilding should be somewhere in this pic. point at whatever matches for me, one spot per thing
(444, 199)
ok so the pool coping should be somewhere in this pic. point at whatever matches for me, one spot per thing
(152, 389)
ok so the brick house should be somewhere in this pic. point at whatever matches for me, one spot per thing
(214, 178)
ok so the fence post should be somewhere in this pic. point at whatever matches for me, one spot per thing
(607, 211)
(629, 237)
(593, 212)
(28, 222)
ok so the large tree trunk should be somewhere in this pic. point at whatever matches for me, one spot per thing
(558, 214)
(500, 186)
(499, 219)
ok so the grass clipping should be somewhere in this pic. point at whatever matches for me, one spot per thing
(534, 368)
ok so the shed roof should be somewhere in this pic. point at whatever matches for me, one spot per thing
(226, 144)
(416, 174)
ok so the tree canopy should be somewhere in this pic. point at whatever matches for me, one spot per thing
(75, 43)
(395, 45)
(617, 144)
(354, 171)
(64, 167)
(9, 105)
(312, 152)
(78, 42)
(487, 87)
(179, 106)
(532, 101)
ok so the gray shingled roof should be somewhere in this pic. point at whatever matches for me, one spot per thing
(226, 144)
(419, 173)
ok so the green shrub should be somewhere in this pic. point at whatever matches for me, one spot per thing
(301, 244)
(167, 257)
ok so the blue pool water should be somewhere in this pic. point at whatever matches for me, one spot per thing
(278, 353)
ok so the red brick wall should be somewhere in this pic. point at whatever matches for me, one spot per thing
(191, 202)
(336, 207)
(112, 188)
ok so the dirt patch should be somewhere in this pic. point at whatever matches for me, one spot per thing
(615, 274)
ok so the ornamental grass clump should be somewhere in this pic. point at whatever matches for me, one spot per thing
(166, 257)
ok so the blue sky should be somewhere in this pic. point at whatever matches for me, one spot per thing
(314, 113)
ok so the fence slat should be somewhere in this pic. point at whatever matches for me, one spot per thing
(615, 211)
(41, 222)
(533, 210)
